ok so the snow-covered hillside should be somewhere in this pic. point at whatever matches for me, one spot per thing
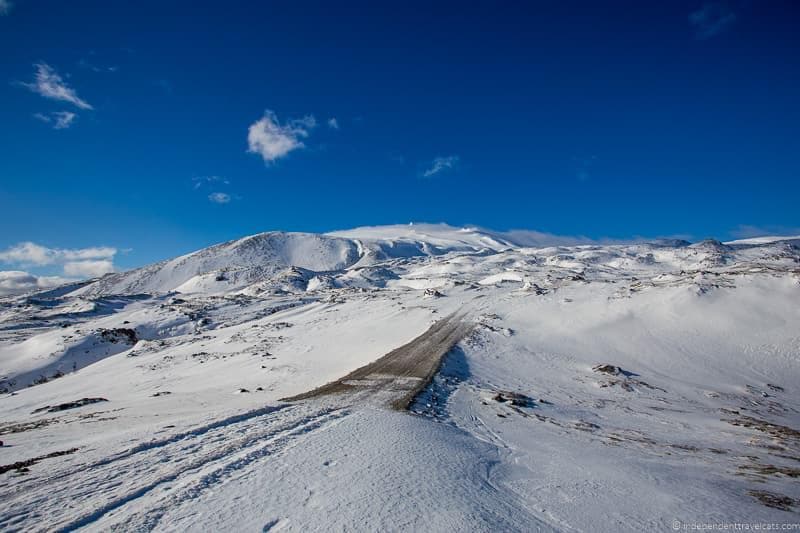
(585, 387)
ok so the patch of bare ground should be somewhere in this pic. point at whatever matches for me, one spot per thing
(68, 405)
(21, 427)
(779, 442)
(759, 469)
(777, 431)
(776, 501)
(22, 466)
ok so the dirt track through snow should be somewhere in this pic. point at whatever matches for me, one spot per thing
(397, 377)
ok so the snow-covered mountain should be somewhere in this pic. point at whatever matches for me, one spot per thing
(255, 263)
(585, 386)
(240, 263)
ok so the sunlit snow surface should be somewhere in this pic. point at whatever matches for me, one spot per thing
(695, 419)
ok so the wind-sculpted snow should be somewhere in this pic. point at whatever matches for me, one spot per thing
(591, 387)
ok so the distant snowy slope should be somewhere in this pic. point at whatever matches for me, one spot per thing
(240, 263)
(279, 261)
(447, 236)
(433, 237)
(765, 240)
(237, 262)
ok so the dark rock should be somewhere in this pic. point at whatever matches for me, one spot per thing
(22, 466)
(608, 369)
(125, 335)
(69, 405)
(514, 398)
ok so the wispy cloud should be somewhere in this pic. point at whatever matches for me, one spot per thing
(271, 140)
(541, 239)
(208, 183)
(200, 181)
(583, 167)
(17, 282)
(88, 269)
(60, 120)
(48, 83)
(30, 253)
(307, 122)
(333, 123)
(63, 119)
(5, 7)
(746, 231)
(440, 164)
(85, 63)
(220, 197)
(164, 85)
(711, 19)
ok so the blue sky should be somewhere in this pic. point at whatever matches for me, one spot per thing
(155, 128)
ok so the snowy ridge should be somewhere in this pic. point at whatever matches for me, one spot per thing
(253, 263)
(240, 262)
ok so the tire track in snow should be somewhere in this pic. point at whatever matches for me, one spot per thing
(202, 456)
(27, 485)
(213, 473)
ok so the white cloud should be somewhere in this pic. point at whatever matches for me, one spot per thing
(30, 253)
(209, 183)
(27, 253)
(16, 282)
(96, 252)
(307, 122)
(441, 164)
(85, 63)
(711, 19)
(199, 181)
(49, 84)
(77, 263)
(271, 140)
(88, 269)
(60, 120)
(333, 123)
(219, 197)
(5, 7)
(64, 119)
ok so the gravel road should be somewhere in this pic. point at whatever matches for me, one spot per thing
(397, 377)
